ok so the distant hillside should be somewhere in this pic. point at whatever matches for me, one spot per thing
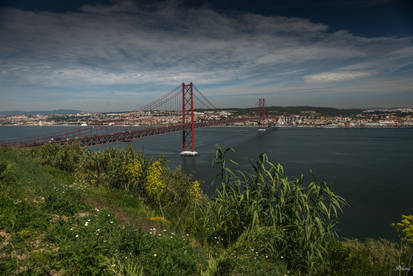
(43, 112)
(308, 110)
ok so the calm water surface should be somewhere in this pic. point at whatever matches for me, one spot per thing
(371, 168)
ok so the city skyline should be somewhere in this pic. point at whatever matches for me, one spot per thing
(119, 55)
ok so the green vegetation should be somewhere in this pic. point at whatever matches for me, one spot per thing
(69, 211)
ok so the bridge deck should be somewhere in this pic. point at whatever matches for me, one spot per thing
(126, 136)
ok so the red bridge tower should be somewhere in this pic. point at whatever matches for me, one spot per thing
(188, 134)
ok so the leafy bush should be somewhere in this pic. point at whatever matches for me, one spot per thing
(134, 172)
(254, 254)
(372, 257)
(62, 156)
(108, 168)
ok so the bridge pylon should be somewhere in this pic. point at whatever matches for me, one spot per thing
(261, 111)
(188, 129)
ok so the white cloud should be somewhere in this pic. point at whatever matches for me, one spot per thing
(337, 76)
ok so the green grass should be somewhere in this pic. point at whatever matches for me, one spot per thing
(59, 224)
(127, 206)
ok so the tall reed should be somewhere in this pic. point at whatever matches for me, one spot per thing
(302, 213)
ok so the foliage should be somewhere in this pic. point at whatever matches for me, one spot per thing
(134, 172)
(155, 186)
(405, 228)
(372, 257)
(195, 191)
(300, 214)
(62, 156)
(113, 168)
(3, 169)
(257, 253)
(118, 267)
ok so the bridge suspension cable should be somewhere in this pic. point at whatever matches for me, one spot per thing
(207, 103)
(162, 100)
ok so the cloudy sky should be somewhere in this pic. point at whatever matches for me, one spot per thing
(119, 55)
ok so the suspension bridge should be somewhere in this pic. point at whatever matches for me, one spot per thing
(183, 102)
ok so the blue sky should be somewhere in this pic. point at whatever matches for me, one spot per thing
(119, 55)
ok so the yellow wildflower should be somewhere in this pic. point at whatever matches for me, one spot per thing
(195, 191)
(155, 186)
(134, 170)
(405, 227)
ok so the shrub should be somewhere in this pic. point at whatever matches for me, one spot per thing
(178, 200)
(405, 228)
(62, 156)
(154, 184)
(372, 257)
(259, 252)
(112, 168)
(134, 172)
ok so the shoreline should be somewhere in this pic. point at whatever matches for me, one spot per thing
(221, 126)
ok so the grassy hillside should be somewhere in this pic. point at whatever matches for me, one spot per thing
(66, 211)
(52, 223)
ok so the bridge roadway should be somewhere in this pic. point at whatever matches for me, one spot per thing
(127, 136)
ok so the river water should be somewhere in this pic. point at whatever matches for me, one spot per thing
(371, 168)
